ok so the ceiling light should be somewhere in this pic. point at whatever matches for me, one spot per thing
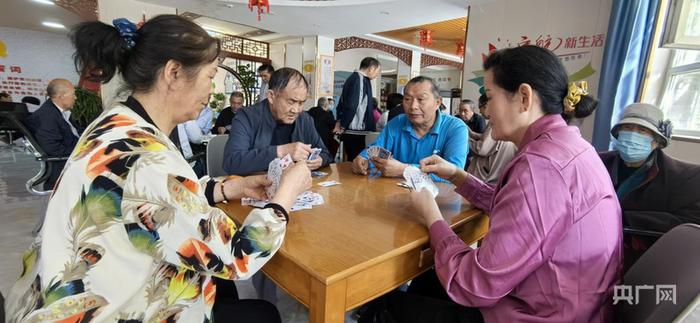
(48, 2)
(53, 24)
(383, 12)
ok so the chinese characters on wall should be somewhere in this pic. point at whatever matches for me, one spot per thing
(12, 81)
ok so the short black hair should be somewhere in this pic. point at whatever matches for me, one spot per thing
(266, 68)
(368, 62)
(282, 77)
(532, 65)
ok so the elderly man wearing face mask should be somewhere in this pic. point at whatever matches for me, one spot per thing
(656, 191)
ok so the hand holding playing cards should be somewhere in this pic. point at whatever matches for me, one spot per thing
(424, 204)
(251, 186)
(360, 165)
(442, 168)
(389, 167)
(297, 150)
(314, 163)
(295, 180)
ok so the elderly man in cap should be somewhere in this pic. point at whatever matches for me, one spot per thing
(656, 191)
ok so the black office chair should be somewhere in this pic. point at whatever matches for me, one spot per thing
(46, 163)
(672, 260)
(6, 126)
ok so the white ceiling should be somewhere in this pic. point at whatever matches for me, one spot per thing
(334, 18)
(28, 14)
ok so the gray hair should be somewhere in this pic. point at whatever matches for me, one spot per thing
(322, 102)
(433, 85)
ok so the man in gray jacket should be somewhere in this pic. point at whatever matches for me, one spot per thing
(274, 128)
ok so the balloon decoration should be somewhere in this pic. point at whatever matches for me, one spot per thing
(460, 49)
(260, 4)
(426, 37)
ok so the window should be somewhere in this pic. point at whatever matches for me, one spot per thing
(674, 79)
(681, 95)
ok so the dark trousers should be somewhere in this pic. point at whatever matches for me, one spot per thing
(353, 145)
(424, 302)
(229, 308)
(55, 169)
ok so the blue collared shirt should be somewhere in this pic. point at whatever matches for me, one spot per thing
(448, 139)
(205, 120)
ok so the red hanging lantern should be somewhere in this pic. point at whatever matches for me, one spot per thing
(460, 49)
(260, 4)
(426, 37)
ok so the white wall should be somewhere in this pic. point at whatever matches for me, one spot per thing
(684, 150)
(349, 61)
(277, 53)
(543, 19)
(109, 10)
(446, 80)
(41, 56)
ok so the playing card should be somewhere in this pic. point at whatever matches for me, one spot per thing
(317, 173)
(419, 180)
(315, 152)
(328, 183)
(383, 153)
(274, 173)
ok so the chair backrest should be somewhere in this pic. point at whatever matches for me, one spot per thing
(669, 269)
(215, 155)
(370, 137)
(16, 121)
(19, 110)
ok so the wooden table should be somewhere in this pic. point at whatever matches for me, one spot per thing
(363, 242)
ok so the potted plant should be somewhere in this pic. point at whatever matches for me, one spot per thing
(87, 107)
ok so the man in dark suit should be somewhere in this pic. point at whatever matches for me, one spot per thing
(52, 128)
(324, 121)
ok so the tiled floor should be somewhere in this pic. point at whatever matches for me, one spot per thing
(20, 211)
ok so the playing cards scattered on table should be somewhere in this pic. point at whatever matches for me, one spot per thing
(419, 180)
(380, 152)
(328, 183)
(305, 200)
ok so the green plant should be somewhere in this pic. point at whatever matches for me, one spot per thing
(216, 100)
(87, 107)
(247, 76)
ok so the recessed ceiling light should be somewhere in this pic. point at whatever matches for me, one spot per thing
(48, 2)
(383, 12)
(53, 24)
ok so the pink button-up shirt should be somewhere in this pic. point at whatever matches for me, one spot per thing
(554, 248)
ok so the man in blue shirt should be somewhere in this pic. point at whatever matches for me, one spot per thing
(422, 131)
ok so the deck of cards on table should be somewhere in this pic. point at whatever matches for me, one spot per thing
(305, 200)
(418, 180)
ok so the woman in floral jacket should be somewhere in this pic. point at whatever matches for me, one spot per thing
(130, 233)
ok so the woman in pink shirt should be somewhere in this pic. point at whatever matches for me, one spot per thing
(553, 252)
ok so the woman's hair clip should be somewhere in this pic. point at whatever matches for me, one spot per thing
(573, 97)
(127, 30)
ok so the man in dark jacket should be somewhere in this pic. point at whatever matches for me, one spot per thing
(467, 112)
(324, 121)
(52, 129)
(355, 107)
(274, 128)
(223, 121)
(656, 192)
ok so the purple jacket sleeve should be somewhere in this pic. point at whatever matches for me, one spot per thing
(515, 245)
